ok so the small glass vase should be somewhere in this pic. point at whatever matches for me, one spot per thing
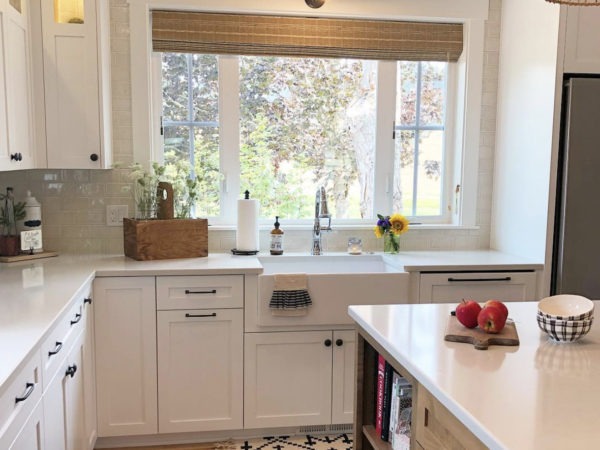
(391, 243)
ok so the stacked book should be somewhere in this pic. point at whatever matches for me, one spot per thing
(393, 406)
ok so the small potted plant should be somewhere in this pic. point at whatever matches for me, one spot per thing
(10, 214)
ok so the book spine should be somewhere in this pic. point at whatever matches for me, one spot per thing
(387, 396)
(380, 391)
(394, 408)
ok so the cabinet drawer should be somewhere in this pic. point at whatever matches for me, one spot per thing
(56, 345)
(19, 399)
(200, 292)
(436, 428)
(480, 286)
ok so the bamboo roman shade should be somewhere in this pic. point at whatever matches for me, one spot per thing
(195, 32)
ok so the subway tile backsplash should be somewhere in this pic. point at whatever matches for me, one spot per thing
(74, 201)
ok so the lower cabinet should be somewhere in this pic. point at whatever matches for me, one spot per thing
(31, 436)
(451, 287)
(200, 370)
(298, 378)
(64, 407)
(125, 333)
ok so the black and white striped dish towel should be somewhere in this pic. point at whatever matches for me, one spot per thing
(290, 295)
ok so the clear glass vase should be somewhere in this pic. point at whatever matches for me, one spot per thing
(391, 243)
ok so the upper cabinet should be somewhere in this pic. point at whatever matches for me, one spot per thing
(16, 110)
(582, 40)
(72, 57)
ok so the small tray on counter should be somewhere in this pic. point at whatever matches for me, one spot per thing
(27, 256)
(456, 332)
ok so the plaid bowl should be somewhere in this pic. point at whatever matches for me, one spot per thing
(564, 330)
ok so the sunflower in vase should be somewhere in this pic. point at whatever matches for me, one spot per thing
(390, 228)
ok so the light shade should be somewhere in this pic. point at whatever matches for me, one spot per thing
(576, 2)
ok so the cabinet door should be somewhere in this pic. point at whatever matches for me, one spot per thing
(31, 436)
(342, 399)
(64, 403)
(481, 286)
(287, 379)
(200, 370)
(72, 98)
(18, 86)
(125, 325)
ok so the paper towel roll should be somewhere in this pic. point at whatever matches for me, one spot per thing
(247, 225)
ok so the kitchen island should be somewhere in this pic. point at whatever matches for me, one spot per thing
(538, 395)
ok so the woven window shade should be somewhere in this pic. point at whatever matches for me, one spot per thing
(177, 31)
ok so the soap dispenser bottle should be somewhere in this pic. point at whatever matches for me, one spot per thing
(276, 246)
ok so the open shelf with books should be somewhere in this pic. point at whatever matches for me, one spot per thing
(385, 393)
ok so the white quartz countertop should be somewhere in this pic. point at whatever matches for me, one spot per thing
(33, 294)
(538, 395)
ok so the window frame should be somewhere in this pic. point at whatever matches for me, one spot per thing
(230, 167)
(469, 81)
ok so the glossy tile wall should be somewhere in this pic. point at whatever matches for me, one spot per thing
(74, 201)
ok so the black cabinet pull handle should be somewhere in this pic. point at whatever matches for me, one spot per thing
(327, 342)
(71, 371)
(458, 280)
(76, 319)
(29, 387)
(16, 157)
(201, 315)
(339, 342)
(57, 348)
(87, 300)
(213, 291)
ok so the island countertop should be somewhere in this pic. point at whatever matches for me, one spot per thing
(538, 395)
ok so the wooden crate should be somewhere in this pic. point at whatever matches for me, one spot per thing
(165, 239)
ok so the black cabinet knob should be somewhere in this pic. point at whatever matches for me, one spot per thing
(339, 342)
(327, 342)
(71, 371)
(94, 157)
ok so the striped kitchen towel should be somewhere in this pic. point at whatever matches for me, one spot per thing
(290, 295)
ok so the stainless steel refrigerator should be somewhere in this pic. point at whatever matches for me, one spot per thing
(576, 256)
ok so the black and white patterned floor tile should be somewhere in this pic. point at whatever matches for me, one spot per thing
(307, 442)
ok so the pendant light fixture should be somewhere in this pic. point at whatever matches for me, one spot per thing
(576, 2)
(315, 3)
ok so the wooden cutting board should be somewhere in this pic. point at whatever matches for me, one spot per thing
(456, 332)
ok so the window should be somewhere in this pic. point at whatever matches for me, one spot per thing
(310, 122)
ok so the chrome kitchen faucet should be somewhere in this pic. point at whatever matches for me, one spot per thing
(321, 212)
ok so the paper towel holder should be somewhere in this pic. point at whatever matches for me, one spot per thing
(235, 251)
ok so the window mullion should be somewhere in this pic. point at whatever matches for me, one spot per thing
(229, 136)
(384, 152)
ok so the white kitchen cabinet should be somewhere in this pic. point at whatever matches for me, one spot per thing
(582, 40)
(16, 118)
(125, 334)
(73, 53)
(69, 379)
(298, 378)
(31, 436)
(64, 402)
(342, 398)
(17, 402)
(452, 287)
(200, 370)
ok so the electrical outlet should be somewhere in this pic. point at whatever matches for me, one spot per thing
(115, 214)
